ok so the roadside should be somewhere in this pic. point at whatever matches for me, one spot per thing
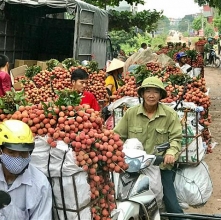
(213, 160)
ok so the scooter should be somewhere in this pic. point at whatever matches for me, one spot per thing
(134, 198)
(213, 60)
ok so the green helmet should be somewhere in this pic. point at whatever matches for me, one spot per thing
(152, 82)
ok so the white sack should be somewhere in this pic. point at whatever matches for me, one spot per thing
(192, 151)
(133, 143)
(83, 195)
(193, 185)
(69, 166)
(39, 156)
(62, 163)
(153, 172)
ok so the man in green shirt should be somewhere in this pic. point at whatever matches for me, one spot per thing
(154, 123)
(207, 47)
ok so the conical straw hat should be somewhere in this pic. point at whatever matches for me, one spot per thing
(114, 65)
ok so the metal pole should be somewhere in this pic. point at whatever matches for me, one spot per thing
(202, 21)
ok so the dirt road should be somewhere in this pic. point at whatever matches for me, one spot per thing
(213, 81)
(176, 39)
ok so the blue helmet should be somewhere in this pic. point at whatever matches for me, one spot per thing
(180, 55)
(209, 39)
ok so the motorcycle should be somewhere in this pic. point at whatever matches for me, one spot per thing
(134, 198)
(213, 60)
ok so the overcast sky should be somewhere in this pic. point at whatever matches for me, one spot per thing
(173, 8)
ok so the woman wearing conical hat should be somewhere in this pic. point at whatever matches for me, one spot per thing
(114, 70)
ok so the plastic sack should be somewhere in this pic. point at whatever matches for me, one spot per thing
(57, 165)
(132, 68)
(129, 101)
(72, 201)
(197, 72)
(147, 56)
(133, 143)
(62, 161)
(140, 58)
(193, 185)
(70, 189)
(153, 172)
(192, 151)
(40, 154)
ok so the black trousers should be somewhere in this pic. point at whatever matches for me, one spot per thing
(170, 198)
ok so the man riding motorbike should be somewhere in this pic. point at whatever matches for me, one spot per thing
(207, 47)
(154, 123)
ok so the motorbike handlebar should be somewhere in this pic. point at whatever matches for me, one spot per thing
(159, 159)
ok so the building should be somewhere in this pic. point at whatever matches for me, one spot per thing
(208, 13)
(123, 6)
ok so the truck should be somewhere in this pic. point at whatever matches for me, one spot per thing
(43, 30)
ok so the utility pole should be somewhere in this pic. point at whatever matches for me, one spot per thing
(202, 21)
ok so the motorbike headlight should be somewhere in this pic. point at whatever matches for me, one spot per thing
(134, 164)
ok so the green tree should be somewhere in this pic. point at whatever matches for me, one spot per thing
(163, 25)
(209, 30)
(145, 20)
(130, 41)
(120, 37)
(217, 21)
(183, 25)
(104, 3)
(197, 23)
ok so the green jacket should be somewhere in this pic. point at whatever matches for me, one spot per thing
(163, 127)
(207, 47)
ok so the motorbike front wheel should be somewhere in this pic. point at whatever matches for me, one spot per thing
(216, 61)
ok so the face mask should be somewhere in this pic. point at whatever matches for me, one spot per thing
(15, 165)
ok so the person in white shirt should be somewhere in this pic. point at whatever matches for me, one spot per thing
(143, 47)
(181, 58)
(30, 191)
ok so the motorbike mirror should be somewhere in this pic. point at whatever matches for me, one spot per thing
(162, 147)
(109, 92)
(5, 199)
(189, 69)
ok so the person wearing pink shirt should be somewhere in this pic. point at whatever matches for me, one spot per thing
(5, 80)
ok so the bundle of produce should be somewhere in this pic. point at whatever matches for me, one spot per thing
(98, 151)
(164, 50)
(199, 45)
(201, 42)
(42, 86)
(128, 89)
